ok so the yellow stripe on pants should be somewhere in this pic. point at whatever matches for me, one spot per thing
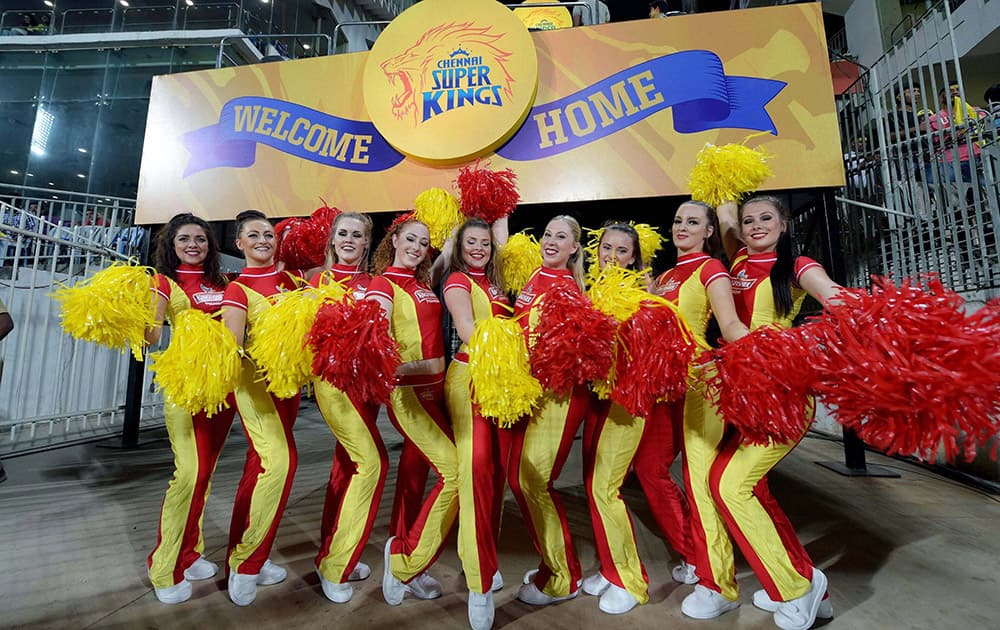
(360, 499)
(437, 516)
(712, 550)
(615, 448)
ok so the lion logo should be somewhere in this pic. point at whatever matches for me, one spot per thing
(410, 71)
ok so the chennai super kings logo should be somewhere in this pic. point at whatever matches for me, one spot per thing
(451, 66)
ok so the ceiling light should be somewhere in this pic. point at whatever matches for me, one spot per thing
(13, 172)
(55, 196)
(190, 3)
(306, 46)
(48, 3)
(30, 174)
(124, 3)
(81, 149)
(81, 175)
(52, 183)
(43, 127)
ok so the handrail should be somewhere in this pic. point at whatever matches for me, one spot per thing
(542, 5)
(111, 12)
(339, 27)
(214, 5)
(52, 19)
(139, 9)
(222, 42)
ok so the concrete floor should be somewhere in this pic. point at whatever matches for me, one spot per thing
(77, 523)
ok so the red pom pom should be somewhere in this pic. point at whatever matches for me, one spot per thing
(574, 342)
(353, 350)
(909, 371)
(762, 382)
(302, 242)
(487, 194)
(653, 357)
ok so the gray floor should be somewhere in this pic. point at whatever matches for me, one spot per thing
(77, 524)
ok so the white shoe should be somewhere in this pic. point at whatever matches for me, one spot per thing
(242, 588)
(704, 603)
(201, 569)
(392, 589)
(800, 613)
(762, 601)
(617, 601)
(684, 573)
(424, 587)
(361, 572)
(336, 592)
(180, 592)
(481, 610)
(497, 582)
(529, 594)
(270, 574)
(529, 576)
(595, 585)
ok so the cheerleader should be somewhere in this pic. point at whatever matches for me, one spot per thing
(416, 406)
(267, 420)
(360, 461)
(542, 442)
(699, 286)
(769, 284)
(186, 256)
(610, 439)
(471, 293)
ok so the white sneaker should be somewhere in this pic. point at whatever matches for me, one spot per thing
(529, 594)
(764, 602)
(201, 569)
(180, 592)
(481, 610)
(529, 576)
(617, 601)
(270, 574)
(242, 588)
(361, 572)
(704, 603)
(497, 582)
(595, 585)
(336, 592)
(393, 590)
(800, 613)
(684, 573)
(424, 587)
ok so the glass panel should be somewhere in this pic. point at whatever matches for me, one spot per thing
(60, 130)
(120, 133)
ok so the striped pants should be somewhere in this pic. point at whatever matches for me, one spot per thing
(357, 477)
(417, 411)
(483, 449)
(539, 450)
(197, 442)
(267, 473)
(611, 437)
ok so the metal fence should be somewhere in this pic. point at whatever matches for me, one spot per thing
(922, 166)
(54, 389)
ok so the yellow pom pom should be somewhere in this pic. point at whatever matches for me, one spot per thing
(518, 259)
(277, 340)
(500, 372)
(617, 291)
(439, 211)
(650, 242)
(201, 365)
(113, 308)
(727, 173)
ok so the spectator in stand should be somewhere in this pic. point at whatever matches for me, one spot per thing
(598, 14)
(658, 9)
(6, 325)
(951, 126)
(992, 99)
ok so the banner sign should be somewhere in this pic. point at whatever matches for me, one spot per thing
(605, 112)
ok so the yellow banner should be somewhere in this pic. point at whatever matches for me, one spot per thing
(620, 111)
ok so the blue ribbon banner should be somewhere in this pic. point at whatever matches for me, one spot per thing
(291, 128)
(692, 82)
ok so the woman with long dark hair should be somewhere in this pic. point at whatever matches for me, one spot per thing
(267, 420)
(769, 284)
(471, 293)
(186, 257)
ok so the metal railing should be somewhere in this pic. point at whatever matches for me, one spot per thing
(283, 54)
(921, 165)
(54, 389)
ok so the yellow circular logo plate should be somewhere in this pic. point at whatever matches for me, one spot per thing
(449, 81)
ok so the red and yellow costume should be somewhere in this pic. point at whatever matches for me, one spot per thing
(360, 461)
(738, 477)
(416, 408)
(267, 421)
(696, 533)
(483, 448)
(196, 441)
(540, 446)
